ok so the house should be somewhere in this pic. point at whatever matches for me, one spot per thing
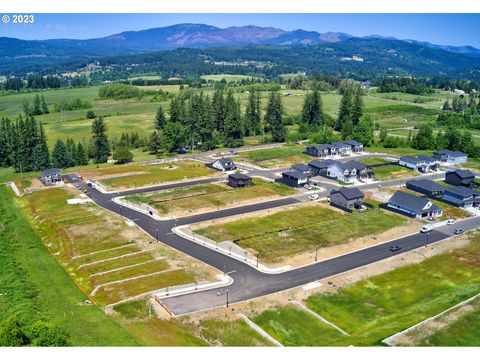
(462, 196)
(294, 178)
(450, 157)
(237, 180)
(355, 145)
(349, 172)
(319, 167)
(340, 148)
(318, 150)
(302, 168)
(223, 164)
(347, 198)
(460, 177)
(425, 186)
(413, 206)
(51, 176)
(420, 163)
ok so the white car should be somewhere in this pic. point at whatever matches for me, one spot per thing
(313, 197)
(307, 186)
(451, 222)
(426, 228)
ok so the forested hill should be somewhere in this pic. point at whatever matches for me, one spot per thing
(361, 59)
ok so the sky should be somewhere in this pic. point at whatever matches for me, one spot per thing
(444, 29)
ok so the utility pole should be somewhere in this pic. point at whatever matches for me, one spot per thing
(227, 298)
(426, 240)
(316, 253)
(156, 231)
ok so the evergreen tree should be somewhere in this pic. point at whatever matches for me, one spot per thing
(173, 136)
(81, 155)
(160, 119)
(233, 135)
(424, 139)
(4, 142)
(41, 157)
(206, 126)
(347, 129)
(446, 106)
(364, 131)
(177, 110)
(154, 143)
(61, 158)
(312, 111)
(44, 106)
(37, 106)
(72, 149)
(273, 117)
(345, 111)
(218, 109)
(252, 114)
(357, 106)
(100, 145)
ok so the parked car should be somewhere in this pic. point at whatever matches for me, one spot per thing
(313, 197)
(458, 231)
(451, 221)
(307, 186)
(426, 228)
(395, 247)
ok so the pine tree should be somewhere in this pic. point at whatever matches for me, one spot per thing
(177, 110)
(446, 106)
(100, 145)
(206, 126)
(160, 119)
(41, 157)
(233, 135)
(357, 106)
(252, 114)
(81, 155)
(218, 109)
(61, 158)
(347, 129)
(72, 149)
(44, 106)
(154, 143)
(345, 111)
(37, 106)
(273, 117)
(312, 111)
(364, 131)
(4, 142)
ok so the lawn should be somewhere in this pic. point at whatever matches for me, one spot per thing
(205, 197)
(292, 326)
(381, 306)
(397, 151)
(32, 283)
(296, 231)
(230, 333)
(392, 172)
(153, 174)
(281, 157)
(374, 161)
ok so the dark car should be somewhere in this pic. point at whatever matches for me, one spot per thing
(395, 247)
(458, 231)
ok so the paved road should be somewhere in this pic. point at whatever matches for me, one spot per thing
(248, 282)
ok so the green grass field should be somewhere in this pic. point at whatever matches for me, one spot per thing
(204, 197)
(34, 285)
(392, 172)
(226, 77)
(153, 174)
(282, 157)
(374, 161)
(296, 231)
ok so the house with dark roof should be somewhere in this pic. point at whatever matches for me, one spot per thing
(302, 168)
(223, 164)
(450, 157)
(355, 145)
(347, 198)
(460, 177)
(413, 206)
(419, 163)
(425, 186)
(462, 196)
(318, 150)
(349, 171)
(237, 180)
(51, 176)
(341, 148)
(294, 178)
(319, 167)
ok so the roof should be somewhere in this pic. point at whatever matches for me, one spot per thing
(340, 144)
(239, 176)
(462, 174)
(321, 164)
(462, 191)
(349, 193)
(295, 175)
(409, 201)
(353, 143)
(417, 159)
(352, 164)
(225, 161)
(320, 147)
(50, 172)
(450, 153)
(301, 167)
(426, 184)
(426, 158)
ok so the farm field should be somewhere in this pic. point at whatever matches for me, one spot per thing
(226, 77)
(138, 175)
(296, 231)
(277, 157)
(208, 197)
(108, 260)
(378, 307)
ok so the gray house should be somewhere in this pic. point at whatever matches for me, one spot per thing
(349, 171)
(413, 206)
(355, 145)
(302, 168)
(462, 196)
(450, 157)
(425, 186)
(318, 150)
(294, 178)
(420, 163)
(320, 167)
(237, 180)
(340, 148)
(223, 164)
(51, 176)
(347, 198)
(460, 177)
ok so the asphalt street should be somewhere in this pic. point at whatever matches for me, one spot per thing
(248, 282)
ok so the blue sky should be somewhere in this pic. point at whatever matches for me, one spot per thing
(448, 29)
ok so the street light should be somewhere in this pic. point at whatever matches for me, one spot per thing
(426, 240)
(227, 297)
(316, 253)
